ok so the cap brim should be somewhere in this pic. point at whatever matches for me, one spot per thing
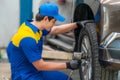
(59, 18)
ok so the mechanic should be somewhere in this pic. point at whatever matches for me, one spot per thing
(25, 48)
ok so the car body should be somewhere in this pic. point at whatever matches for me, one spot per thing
(110, 33)
(106, 16)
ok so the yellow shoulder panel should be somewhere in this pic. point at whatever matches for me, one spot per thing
(25, 31)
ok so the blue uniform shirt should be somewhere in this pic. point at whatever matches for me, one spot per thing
(24, 48)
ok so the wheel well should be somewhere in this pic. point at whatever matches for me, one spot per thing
(83, 12)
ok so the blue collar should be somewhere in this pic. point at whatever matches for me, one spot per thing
(34, 28)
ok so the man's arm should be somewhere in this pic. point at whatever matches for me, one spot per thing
(43, 65)
(63, 28)
(34, 55)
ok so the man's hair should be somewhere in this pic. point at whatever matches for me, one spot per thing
(40, 17)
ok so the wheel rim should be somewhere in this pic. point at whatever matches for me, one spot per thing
(86, 62)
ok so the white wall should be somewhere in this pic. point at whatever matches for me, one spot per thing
(36, 4)
(9, 20)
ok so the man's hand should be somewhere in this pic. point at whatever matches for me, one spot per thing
(78, 24)
(73, 64)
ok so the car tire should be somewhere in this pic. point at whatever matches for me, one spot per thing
(90, 68)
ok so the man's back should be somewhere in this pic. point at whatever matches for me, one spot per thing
(21, 66)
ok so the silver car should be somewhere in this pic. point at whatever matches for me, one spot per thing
(97, 37)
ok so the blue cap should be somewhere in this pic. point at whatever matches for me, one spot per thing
(51, 9)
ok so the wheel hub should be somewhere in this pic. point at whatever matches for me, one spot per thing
(86, 62)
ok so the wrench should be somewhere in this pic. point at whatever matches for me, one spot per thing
(71, 72)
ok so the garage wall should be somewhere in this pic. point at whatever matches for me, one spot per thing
(36, 4)
(10, 17)
(9, 20)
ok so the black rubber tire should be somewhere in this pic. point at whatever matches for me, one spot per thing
(97, 72)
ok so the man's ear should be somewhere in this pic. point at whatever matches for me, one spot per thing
(45, 18)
